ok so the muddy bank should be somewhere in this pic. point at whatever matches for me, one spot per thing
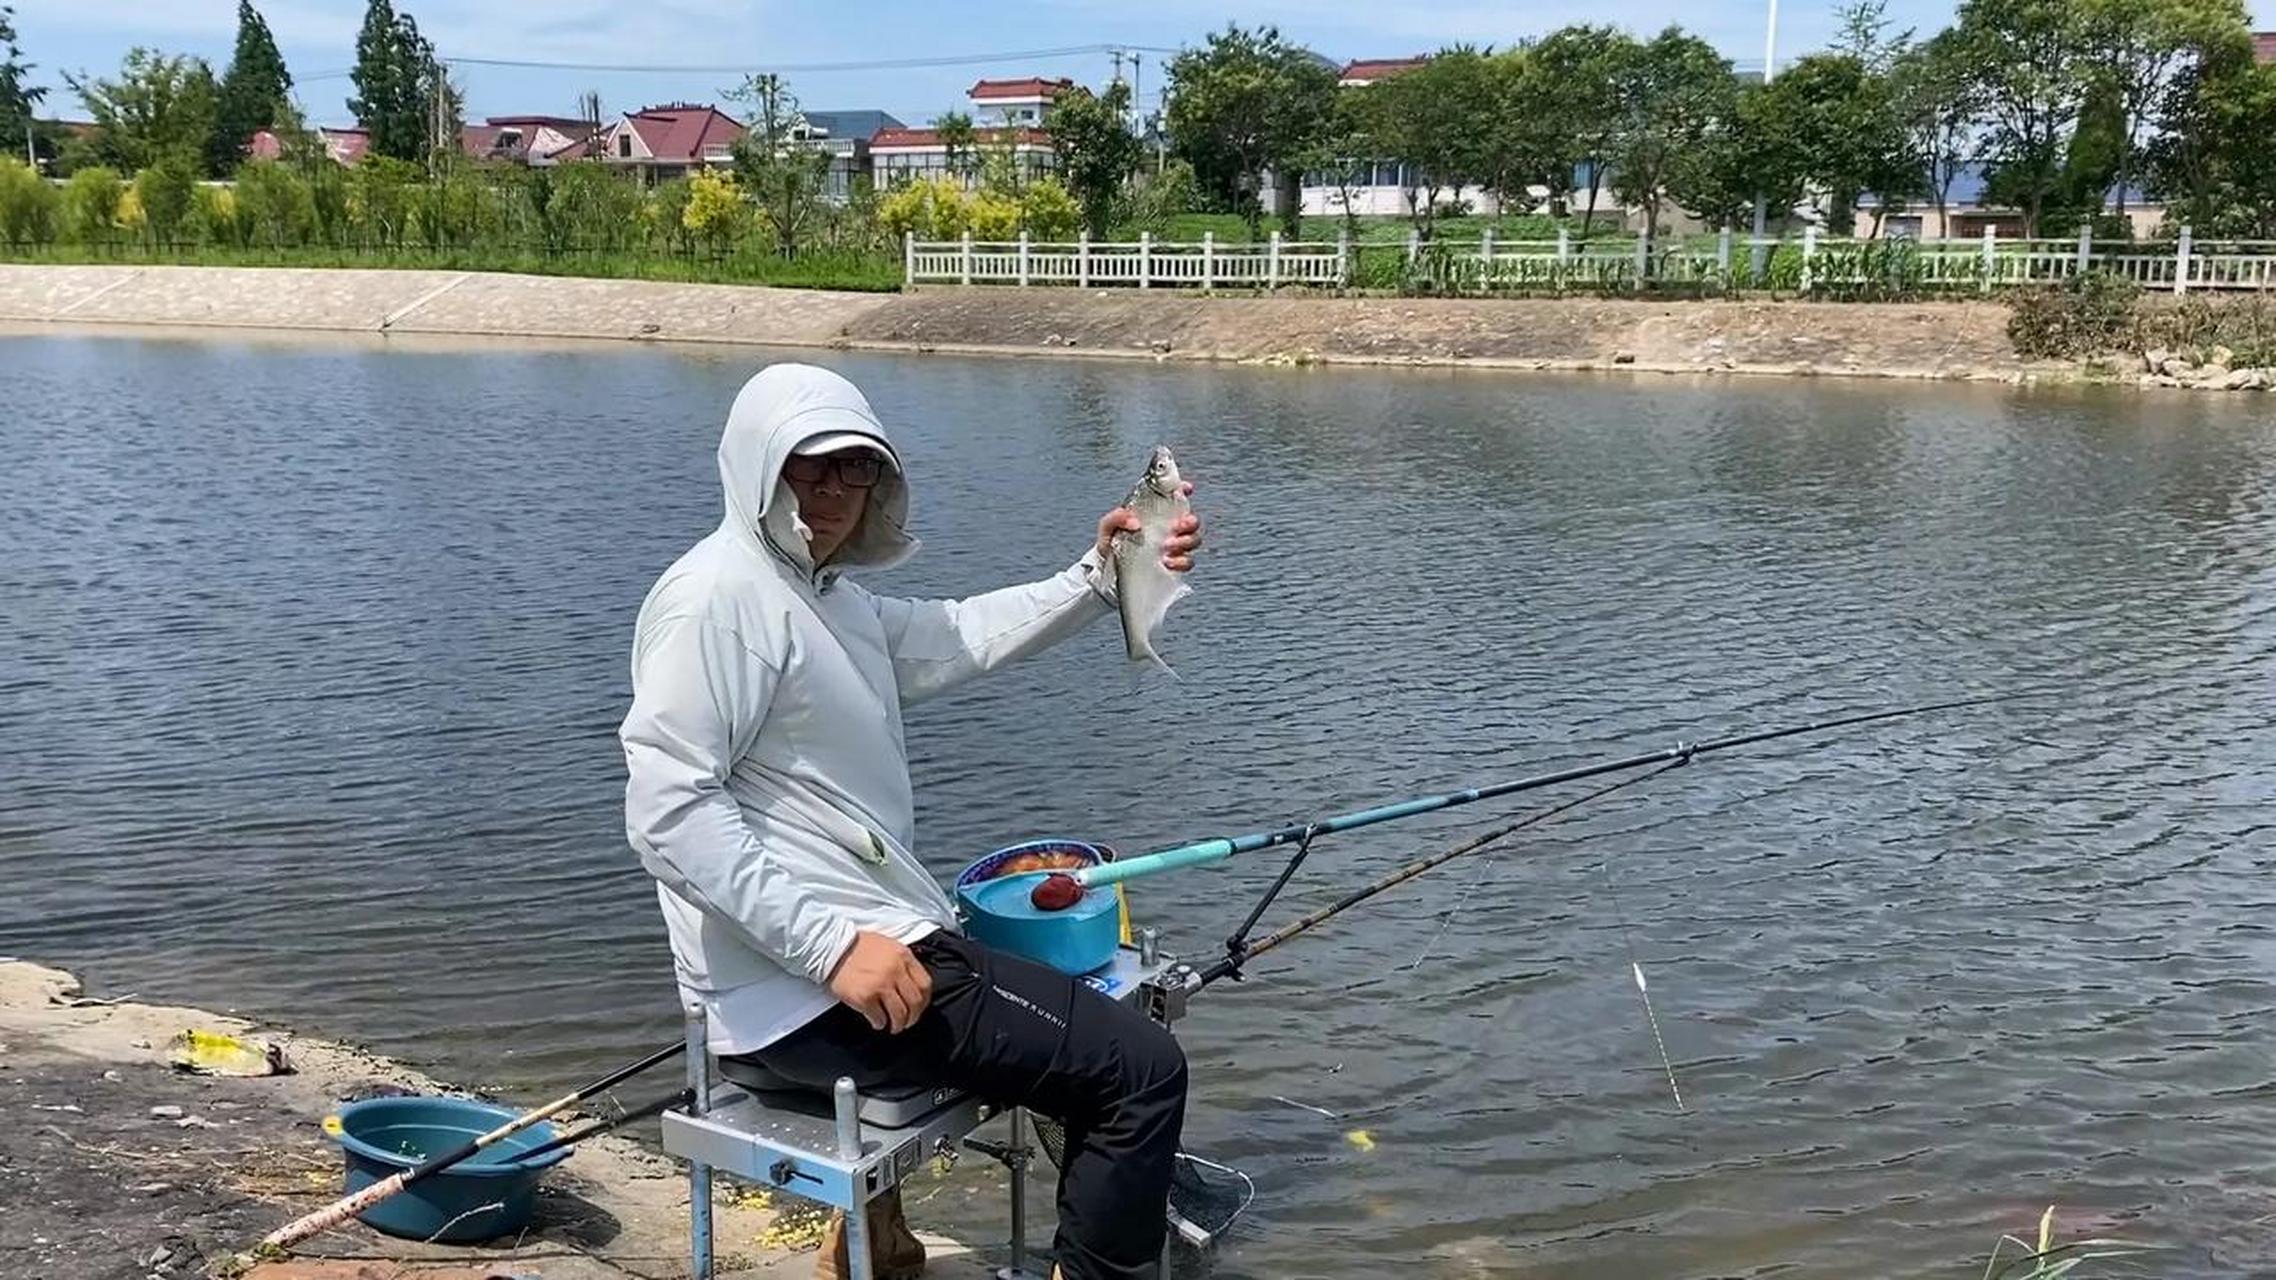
(113, 1164)
(1955, 340)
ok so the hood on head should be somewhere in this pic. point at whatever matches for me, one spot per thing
(779, 407)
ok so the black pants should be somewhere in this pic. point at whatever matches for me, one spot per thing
(1019, 1034)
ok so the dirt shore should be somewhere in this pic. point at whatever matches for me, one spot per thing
(1945, 340)
(115, 1165)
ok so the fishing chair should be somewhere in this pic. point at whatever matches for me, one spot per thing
(845, 1148)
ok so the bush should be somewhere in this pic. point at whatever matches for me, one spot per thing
(2090, 315)
(664, 213)
(1162, 196)
(993, 215)
(328, 202)
(1049, 210)
(91, 204)
(274, 205)
(214, 216)
(2196, 325)
(27, 205)
(164, 192)
(715, 208)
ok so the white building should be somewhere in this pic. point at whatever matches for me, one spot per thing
(1010, 103)
(1004, 112)
(1378, 188)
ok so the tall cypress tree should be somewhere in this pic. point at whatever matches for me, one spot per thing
(254, 90)
(394, 82)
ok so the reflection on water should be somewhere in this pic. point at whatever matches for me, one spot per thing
(315, 652)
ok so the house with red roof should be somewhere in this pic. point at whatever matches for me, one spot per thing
(531, 140)
(671, 141)
(346, 146)
(1005, 113)
(1366, 71)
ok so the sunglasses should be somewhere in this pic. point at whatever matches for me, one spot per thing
(855, 469)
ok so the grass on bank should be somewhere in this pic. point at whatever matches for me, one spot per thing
(826, 269)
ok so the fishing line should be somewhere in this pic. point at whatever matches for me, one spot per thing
(1520, 825)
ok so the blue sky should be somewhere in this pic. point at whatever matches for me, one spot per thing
(318, 37)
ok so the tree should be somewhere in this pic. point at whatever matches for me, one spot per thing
(1440, 119)
(1097, 152)
(1753, 152)
(2031, 63)
(1837, 123)
(1343, 154)
(159, 107)
(2211, 160)
(1575, 84)
(785, 174)
(2138, 48)
(1676, 91)
(1864, 35)
(1936, 99)
(1532, 144)
(16, 98)
(961, 144)
(404, 96)
(1245, 104)
(255, 90)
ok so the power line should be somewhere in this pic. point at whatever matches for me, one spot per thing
(879, 64)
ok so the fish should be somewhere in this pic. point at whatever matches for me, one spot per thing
(1144, 590)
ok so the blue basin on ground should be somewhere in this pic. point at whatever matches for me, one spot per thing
(487, 1195)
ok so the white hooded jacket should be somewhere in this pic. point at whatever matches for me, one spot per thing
(768, 787)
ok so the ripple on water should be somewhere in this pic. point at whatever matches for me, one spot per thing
(315, 652)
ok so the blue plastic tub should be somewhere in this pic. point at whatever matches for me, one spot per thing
(487, 1195)
(996, 912)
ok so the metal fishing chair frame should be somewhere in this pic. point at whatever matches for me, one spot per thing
(844, 1150)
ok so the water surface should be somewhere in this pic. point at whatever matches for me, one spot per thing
(314, 654)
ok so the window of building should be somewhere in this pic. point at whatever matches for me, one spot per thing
(624, 146)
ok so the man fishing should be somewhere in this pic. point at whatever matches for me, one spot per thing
(769, 795)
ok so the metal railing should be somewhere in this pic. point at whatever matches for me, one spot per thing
(1808, 264)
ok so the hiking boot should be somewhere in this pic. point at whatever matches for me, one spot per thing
(895, 1253)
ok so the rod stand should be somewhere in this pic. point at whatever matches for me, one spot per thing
(699, 1174)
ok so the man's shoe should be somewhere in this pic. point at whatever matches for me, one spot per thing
(895, 1253)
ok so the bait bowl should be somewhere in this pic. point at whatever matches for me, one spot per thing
(992, 900)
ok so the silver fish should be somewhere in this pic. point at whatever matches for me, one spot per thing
(1145, 589)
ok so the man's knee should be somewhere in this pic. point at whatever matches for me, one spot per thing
(1154, 1063)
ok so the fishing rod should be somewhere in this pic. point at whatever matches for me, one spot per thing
(684, 1097)
(1060, 890)
(349, 1206)
(1239, 950)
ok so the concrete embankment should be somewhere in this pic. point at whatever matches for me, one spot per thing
(113, 1164)
(1949, 340)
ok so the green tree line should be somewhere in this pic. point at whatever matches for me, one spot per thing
(2060, 103)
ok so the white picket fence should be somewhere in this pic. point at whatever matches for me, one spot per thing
(1145, 262)
(1809, 263)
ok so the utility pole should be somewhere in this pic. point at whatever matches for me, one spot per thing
(1759, 258)
(1137, 90)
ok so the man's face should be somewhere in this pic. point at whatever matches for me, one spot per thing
(833, 492)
